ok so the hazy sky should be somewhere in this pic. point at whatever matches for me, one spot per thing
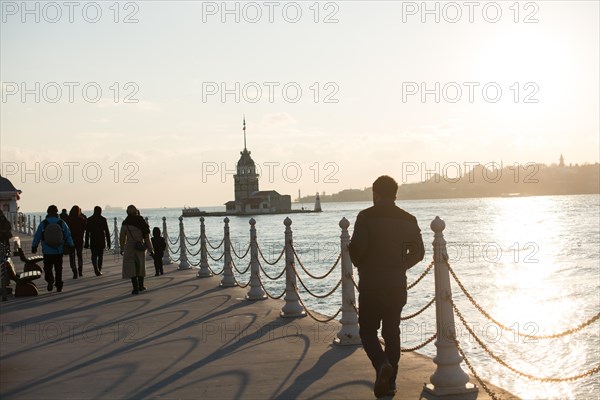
(116, 113)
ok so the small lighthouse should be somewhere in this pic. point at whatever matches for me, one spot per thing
(317, 203)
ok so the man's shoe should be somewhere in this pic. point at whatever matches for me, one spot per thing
(382, 383)
(59, 288)
(75, 275)
(50, 286)
(80, 273)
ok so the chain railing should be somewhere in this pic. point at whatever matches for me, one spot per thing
(449, 378)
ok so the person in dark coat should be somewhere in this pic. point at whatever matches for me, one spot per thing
(159, 245)
(97, 238)
(386, 242)
(77, 227)
(63, 214)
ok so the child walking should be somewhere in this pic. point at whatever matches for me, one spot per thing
(159, 244)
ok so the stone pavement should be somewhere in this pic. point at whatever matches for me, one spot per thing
(183, 338)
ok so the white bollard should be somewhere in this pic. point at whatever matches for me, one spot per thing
(256, 291)
(29, 225)
(348, 334)
(448, 379)
(292, 307)
(228, 278)
(183, 261)
(204, 267)
(166, 257)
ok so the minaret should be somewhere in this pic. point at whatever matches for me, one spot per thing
(561, 162)
(244, 133)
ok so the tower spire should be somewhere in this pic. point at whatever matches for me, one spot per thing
(244, 133)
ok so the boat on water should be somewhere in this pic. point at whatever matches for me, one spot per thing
(111, 208)
(192, 212)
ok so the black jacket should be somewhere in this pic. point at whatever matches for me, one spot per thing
(97, 235)
(385, 243)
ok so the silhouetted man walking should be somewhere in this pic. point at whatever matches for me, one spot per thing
(386, 242)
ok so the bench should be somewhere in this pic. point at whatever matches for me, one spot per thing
(24, 281)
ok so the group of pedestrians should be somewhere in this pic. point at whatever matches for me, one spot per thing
(69, 234)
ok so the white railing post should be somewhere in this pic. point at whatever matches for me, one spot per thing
(204, 268)
(183, 261)
(34, 226)
(228, 278)
(448, 378)
(117, 246)
(256, 291)
(29, 225)
(166, 257)
(348, 334)
(292, 307)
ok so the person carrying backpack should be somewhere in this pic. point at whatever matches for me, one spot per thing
(53, 233)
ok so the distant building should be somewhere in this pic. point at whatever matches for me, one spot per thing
(561, 162)
(9, 196)
(248, 198)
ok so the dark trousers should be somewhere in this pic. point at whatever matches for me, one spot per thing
(79, 249)
(97, 256)
(53, 265)
(382, 306)
(158, 263)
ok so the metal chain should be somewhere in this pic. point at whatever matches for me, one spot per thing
(506, 328)
(415, 283)
(315, 276)
(481, 382)
(311, 293)
(190, 243)
(214, 272)
(236, 254)
(195, 264)
(310, 314)
(269, 276)
(418, 312)
(239, 284)
(353, 281)
(354, 306)
(269, 295)
(238, 271)
(213, 247)
(516, 371)
(173, 251)
(194, 254)
(172, 243)
(215, 259)
(425, 343)
(267, 261)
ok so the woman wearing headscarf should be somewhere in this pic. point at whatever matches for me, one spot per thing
(134, 235)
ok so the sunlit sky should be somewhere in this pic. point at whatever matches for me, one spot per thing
(153, 153)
